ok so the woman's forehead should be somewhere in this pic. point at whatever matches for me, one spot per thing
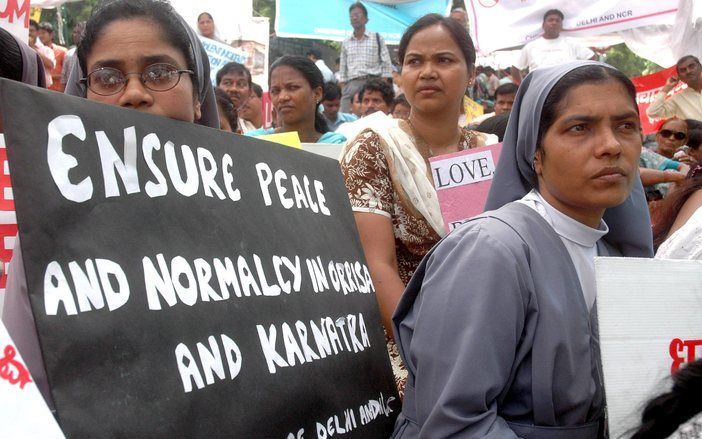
(134, 40)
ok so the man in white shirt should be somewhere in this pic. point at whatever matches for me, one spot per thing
(315, 56)
(686, 104)
(551, 48)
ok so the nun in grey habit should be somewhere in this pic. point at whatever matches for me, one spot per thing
(497, 327)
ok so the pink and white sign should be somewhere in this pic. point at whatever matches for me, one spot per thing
(462, 181)
(14, 17)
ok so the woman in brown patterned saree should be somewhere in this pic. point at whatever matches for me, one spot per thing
(386, 167)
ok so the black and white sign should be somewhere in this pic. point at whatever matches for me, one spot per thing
(188, 282)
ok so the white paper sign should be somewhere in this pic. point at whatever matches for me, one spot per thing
(14, 17)
(460, 170)
(649, 322)
(489, 19)
(23, 412)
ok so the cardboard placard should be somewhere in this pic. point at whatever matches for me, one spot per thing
(23, 412)
(188, 282)
(649, 324)
(462, 181)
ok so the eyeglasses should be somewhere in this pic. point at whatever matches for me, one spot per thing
(679, 135)
(106, 81)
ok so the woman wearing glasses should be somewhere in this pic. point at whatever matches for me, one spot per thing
(671, 136)
(135, 54)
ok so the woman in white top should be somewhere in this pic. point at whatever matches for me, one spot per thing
(677, 227)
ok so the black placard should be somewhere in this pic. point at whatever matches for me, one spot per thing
(101, 209)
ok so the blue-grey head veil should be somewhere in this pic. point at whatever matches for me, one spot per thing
(206, 96)
(629, 223)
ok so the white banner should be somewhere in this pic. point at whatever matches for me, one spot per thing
(649, 324)
(14, 17)
(229, 15)
(251, 50)
(500, 24)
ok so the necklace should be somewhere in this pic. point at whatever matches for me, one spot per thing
(425, 147)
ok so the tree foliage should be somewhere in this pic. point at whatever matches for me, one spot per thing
(628, 62)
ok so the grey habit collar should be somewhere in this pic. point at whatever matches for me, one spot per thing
(629, 223)
(206, 96)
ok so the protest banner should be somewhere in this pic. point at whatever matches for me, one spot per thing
(23, 412)
(251, 50)
(647, 88)
(14, 17)
(254, 42)
(219, 54)
(306, 19)
(462, 181)
(524, 18)
(8, 221)
(183, 282)
(649, 325)
(229, 16)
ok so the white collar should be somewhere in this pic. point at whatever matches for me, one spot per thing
(566, 226)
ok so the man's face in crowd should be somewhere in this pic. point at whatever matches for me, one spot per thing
(373, 101)
(236, 85)
(331, 108)
(503, 103)
(553, 25)
(356, 105)
(358, 18)
(46, 37)
(32, 35)
(689, 72)
(460, 17)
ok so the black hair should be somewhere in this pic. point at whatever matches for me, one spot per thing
(359, 5)
(45, 25)
(578, 76)
(380, 85)
(458, 32)
(314, 52)
(11, 59)
(694, 138)
(554, 12)
(314, 78)
(224, 104)
(693, 124)
(400, 100)
(685, 58)
(233, 67)
(496, 125)
(158, 11)
(665, 413)
(33, 23)
(331, 92)
(258, 91)
(205, 13)
(506, 89)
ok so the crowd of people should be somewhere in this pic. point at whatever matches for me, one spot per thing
(491, 330)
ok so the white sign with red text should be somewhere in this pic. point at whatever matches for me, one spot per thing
(23, 412)
(649, 324)
(14, 17)
(523, 18)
